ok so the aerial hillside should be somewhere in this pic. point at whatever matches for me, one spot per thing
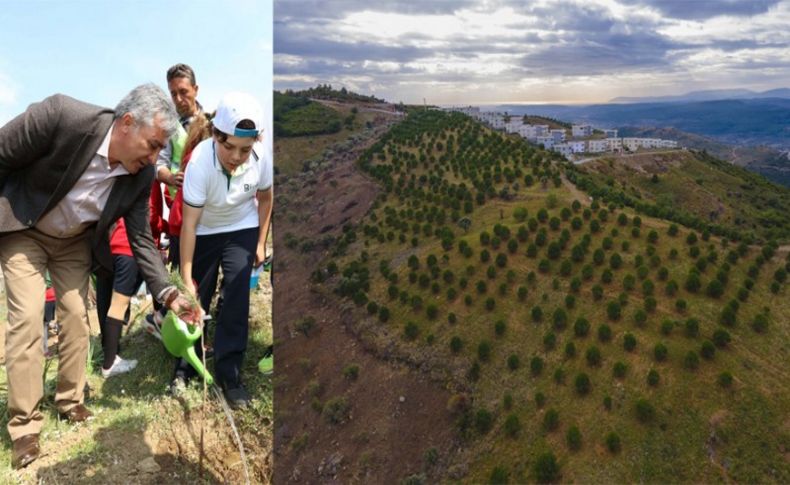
(308, 130)
(771, 163)
(579, 341)
(692, 188)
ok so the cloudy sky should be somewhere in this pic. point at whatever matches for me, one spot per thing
(97, 51)
(496, 51)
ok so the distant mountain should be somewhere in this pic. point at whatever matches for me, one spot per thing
(707, 95)
(764, 121)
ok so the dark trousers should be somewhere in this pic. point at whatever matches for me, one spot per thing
(234, 252)
(125, 279)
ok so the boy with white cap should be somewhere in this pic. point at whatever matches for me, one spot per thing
(226, 213)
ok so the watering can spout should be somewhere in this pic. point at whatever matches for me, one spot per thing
(179, 339)
(195, 362)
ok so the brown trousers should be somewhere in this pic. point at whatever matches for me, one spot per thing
(25, 256)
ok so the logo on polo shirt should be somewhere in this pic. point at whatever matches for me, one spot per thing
(247, 187)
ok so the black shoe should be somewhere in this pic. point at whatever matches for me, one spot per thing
(237, 397)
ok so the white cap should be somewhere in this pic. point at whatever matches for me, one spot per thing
(234, 107)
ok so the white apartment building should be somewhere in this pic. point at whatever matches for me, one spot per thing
(633, 144)
(564, 149)
(598, 146)
(577, 146)
(558, 135)
(580, 131)
(546, 140)
(514, 125)
(610, 133)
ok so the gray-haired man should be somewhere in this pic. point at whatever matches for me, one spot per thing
(68, 170)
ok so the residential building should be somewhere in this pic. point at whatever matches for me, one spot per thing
(580, 131)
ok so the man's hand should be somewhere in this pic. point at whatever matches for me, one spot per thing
(185, 310)
(176, 179)
(260, 255)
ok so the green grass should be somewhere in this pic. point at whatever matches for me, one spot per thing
(294, 154)
(136, 417)
(695, 183)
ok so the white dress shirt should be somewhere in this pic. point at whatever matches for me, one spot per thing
(83, 204)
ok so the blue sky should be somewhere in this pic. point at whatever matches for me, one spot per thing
(510, 51)
(97, 51)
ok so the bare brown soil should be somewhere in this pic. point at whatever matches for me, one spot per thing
(132, 447)
(394, 413)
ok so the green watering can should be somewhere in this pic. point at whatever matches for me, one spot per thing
(179, 339)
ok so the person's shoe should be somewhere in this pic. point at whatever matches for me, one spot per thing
(153, 324)
(77, 414)
(120, 366)
(178, 386)
(266, 364)
(25, 451)
(237, 397)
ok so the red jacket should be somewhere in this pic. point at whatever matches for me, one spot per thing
(119, 242)
(176, 207)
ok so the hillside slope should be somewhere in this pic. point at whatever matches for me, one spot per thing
(693, 188)
(580, 342)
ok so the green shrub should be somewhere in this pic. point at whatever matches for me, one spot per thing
(760, 323)
(551, 420)
(512, 426)
(725, 379)
(483, 421)
(721, 338)
(593, 356)
(707, 350)
(573, 437)
(499, 327)
(613, 442)
(604, 333)
(411, 331)
(613, 310)
(691, 360)
(336, 410)
(692, 327)
(432, 311)
(549, 341)
(653, 378)
(560, 319)
(570, 350)
(536, 365)
(351, 372)
(484, 351)
(640, 317)
(619, 369)
(513, 362)
(582, 384)
(507, 401)
(537, 314)
(660, 352)
(629, 342)
(456, 344)
(546, 468)
(645, 412)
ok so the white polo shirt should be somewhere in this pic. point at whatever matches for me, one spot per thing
(228, 201)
